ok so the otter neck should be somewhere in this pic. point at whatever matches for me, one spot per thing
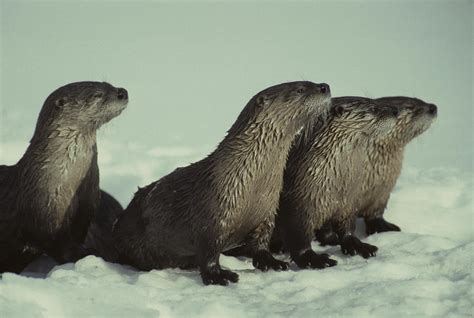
(385, 160)
(259, 139)
(387, 147)
(57, 157)
(338, 136)
(250, 162)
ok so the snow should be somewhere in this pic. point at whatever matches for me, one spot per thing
(425, 270)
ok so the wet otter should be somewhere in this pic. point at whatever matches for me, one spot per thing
(99, 234)
(385, 162)
(190, 216)
(49, 197)
(323, 178)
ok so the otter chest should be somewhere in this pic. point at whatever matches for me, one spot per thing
(60, 182)
(258, 206)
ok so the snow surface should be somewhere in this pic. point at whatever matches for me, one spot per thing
(425, 270)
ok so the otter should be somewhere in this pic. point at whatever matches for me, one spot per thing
(187, 218)
(323, 178)
(385, 159)
(99, 234)
(48, 198)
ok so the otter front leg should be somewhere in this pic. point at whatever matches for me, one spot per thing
(350, 244)
(64, 249)
(208, 261)
(259, 248)
(276, 243)
(15, 258)
(66, 253)
(326, 235)
(297, 236)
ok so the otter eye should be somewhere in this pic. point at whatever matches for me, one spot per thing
(261, 101)
(60, 102)
(300, 90)
(337, 111)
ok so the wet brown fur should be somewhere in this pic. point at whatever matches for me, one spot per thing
(191, 215)
(49, 197)
(386, 157)
(323, 176)
(349, 168)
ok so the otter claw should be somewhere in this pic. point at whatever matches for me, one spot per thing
(313, 260)
(326, 237)
(264, 261)
(352, 245)
(214, 275)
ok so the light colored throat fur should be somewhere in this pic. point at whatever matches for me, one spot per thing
(246, 168)
(254, 149)
(56, 166)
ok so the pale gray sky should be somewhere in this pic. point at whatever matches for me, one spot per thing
(191, 67)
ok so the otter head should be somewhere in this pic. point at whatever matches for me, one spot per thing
(81, 106)
(363, 117)
(283, 109)
(414, 117)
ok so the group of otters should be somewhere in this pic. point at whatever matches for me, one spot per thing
(295, 166)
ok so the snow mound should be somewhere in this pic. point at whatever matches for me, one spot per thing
(425, 270)
(413, 275)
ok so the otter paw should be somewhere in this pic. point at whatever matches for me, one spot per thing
(327, 237)
(310, 259)
(215, 275)
(351, 245)
(276, 247)
(379, 225)
(264, 261)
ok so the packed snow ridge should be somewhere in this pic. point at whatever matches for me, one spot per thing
(425, 270)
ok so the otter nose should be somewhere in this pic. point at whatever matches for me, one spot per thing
(432, 109)
(323, 88)
(122, 93)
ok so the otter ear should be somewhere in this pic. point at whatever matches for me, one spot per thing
(261, 101)
(60, 102)
(337, 111)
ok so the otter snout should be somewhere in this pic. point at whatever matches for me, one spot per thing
(323, 88)
(122, 94)
(429, 109)
(432, 109)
